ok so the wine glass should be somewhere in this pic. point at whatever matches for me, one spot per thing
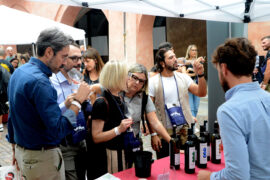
(76, 77)
(129, 116)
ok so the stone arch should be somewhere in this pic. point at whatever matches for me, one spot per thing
(70, 15)
(20, 7)
(145, 41)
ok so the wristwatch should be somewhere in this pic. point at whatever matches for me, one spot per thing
(200, 75)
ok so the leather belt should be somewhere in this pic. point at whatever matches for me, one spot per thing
(39, 149)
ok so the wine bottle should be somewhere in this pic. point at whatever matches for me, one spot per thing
(202, 150)
(215, 148)
(207, 138)
(190, 154)
(194, 139)
(254, 78)
(174, 151)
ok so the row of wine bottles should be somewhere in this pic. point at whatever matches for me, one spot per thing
(197, 149)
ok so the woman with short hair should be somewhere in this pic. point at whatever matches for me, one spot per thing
(108, 115)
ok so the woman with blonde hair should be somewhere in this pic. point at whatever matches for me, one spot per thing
(191, 56)
(93, 65)
(108, 115)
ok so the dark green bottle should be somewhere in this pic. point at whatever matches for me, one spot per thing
(208, 138)
(190, 154)
(174, 151)
(194, 139)
(215, 142)
(202, 150)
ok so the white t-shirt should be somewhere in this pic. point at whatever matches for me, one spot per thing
(170, 91)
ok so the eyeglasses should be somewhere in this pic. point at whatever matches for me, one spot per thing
(136, 79)
(75, 58)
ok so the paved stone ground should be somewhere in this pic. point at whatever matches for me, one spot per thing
(6, 151)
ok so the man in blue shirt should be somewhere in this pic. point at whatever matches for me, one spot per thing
(244, 118)
(36, 125)
(74, 153)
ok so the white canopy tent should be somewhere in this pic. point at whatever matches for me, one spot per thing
(215, 10)
(24, 28)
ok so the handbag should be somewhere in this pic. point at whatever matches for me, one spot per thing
(79, 132)
(174, 111)
(130, 141)
(175, 114)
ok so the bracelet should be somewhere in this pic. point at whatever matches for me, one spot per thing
(153, 134)
(76, 104)
(200, 75)
(116, 130)
(77, 101)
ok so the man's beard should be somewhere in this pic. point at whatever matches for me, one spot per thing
(170, 67)
(224, 83)
(78, 66)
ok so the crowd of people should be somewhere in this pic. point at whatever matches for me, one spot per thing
(62, 127)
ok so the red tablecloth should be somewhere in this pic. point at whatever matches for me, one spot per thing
(162, 166)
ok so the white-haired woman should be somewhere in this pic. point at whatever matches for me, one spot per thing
(108, 115)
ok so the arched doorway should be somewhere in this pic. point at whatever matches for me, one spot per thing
(159, 33)
(95, 24)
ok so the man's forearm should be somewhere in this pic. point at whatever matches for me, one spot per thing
(202, 87)
(267, 73)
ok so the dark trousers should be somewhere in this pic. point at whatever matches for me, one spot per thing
(96, 159)
(81, 165)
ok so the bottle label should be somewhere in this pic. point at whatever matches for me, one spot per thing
(177, 159)
(195, 155)
(192, 157)
(203, 153)
(218, 153)
(206, 126)
(208, 151)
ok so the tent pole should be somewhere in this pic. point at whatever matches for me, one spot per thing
(230, 30)
(125, 33)
(84, 43)
(245, 34)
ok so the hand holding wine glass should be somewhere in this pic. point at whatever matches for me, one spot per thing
(75, 75)
(83, 92)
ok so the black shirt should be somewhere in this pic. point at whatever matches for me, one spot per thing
(89, 81)
(111, 115)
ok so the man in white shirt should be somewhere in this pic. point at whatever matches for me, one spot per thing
(169, 87)
(74, 154)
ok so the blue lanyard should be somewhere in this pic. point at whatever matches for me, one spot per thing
(176, 88)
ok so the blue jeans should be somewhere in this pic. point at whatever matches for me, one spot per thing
(194, 102)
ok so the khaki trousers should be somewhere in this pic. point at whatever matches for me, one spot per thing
(40, 165)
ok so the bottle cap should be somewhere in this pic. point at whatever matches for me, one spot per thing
(202, 128)
(216, 125)
(190, 131)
